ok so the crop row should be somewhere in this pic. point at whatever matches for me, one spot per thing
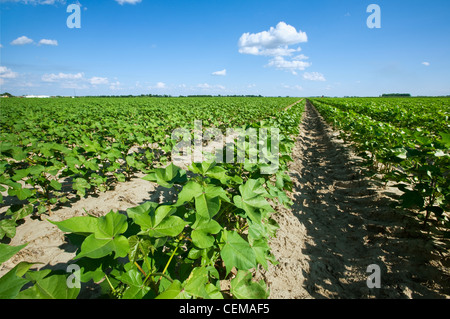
(217, 230)
(408, 145)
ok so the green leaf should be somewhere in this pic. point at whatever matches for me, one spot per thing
(80, 186)
(213, 291)
(261, 249)
(48, 287)
(236, 252)
(12, 282)
(202, 168)
(445, 139)
(20, 174)
(111, 225)
(106, 238)
(7, 228)
(167, 177)
(20, 192)
(202, 230)
(218, 173)
(55, 184)
(36, 170)
(195, 284)
(207, 207)
(78, 225)
(171, 226)
(174, 291)
(189, 192)
(96, 248)
(252, 200)
(20, 213)
(7, 251)
(141, 214)
(136, 288)
(157, 222)
(242, 287)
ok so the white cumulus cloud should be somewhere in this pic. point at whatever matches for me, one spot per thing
(314, 76)
(426, 63)
(6, 73)
(48, 42)
(21, 41)
(274, 42)
(220, 73)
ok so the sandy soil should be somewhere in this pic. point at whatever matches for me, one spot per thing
(340, 223)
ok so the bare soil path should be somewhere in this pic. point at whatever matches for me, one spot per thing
(340, 223)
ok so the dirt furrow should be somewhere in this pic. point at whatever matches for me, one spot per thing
(340, 223)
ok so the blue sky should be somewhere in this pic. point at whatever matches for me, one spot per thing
(295, 48)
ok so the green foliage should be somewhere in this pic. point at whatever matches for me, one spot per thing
(407, 140)
(217, 228)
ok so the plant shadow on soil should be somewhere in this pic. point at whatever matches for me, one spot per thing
(350, 225)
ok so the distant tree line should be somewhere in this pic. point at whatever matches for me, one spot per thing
(396, 95)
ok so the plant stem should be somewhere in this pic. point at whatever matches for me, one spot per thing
(170, 259)
(107, 279)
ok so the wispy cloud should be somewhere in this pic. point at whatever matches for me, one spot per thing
(426, 63)
(292, 66)
(96, 80)
(48, 42)
(122, 2)
(207, 86)
(314, 76)
(62, 76)
(220, 73)
(35, 2)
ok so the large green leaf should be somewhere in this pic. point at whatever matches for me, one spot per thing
(136, 288)
(193, 189)
(7, 251)
(252, 200)
(189, 192)
(201, 233)
(142, 214)
(106, 238)
(194, 286)
(7, 228)
(174, 291)
(207, 207)
(196, 282)
(242, 287)
(79, 225)
(157, 222)
(236, 251)
(48, 287)
(12, 282)
(20, 192)
(167, 177)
